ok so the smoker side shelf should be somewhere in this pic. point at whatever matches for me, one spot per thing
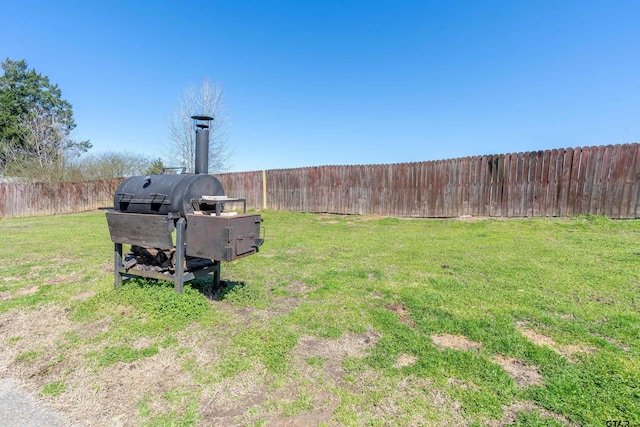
(143, 230)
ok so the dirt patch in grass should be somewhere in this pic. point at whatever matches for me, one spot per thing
(89, 330)
(39, 330)
(69, 260)
(141, 343)
(366, 218)
(463, 384)
(267, 255)
(395, 398)
(601, 299)
(262, 406)
(470, 218)
(402, 312)
(324, 405)
(63, 278)
(458, 342)
(617, 343)
(234, 401)
(26, 291)
(323, 217)
(405, 360)
(249, 399)
(537, 338)
(541, 340)
(614, 342)
(106, 267)
(565, 316)
(83, 296)
(298, 287)
(571, 349)
(7, 295)
(523, 375)
(109, 397)
(40, 357)
(334, 351)
(248, 316)
(326, 373)
(511, 412)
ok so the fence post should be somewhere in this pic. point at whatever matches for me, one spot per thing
(264, 189)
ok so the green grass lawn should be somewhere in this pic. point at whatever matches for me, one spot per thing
(339, 320)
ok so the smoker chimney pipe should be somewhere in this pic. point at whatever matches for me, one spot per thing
(202, 143)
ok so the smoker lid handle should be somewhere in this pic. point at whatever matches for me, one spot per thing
(127, 196)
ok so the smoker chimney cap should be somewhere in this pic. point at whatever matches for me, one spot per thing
(202, 118)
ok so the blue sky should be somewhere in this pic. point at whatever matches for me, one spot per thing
(343, 82)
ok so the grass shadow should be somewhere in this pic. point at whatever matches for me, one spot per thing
(205, 285)
(227, 287)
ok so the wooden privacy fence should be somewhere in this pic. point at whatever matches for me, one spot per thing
(602, 180)
(30, 199)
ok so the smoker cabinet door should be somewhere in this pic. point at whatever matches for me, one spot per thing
(222, 238)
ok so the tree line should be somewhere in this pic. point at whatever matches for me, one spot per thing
(36, 125)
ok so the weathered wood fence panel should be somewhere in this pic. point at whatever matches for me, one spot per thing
(30, 199)
(602, 180)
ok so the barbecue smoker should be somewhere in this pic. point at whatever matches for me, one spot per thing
(149, 210)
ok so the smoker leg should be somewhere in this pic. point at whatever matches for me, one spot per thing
(117, 265)
(216, 275)
(179, 273)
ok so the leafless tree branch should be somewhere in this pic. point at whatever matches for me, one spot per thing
(207, 100)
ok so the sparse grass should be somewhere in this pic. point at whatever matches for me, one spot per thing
(310, 330)
(54, 389)
(533, 419)
(315, 361)
(28, 356)
(111, 355)
(270, 346)
(303, 403)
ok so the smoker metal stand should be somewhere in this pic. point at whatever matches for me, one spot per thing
(180, 275)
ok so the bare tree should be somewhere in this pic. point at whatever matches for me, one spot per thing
(45, 136)
(207, 100)
(41, 155)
